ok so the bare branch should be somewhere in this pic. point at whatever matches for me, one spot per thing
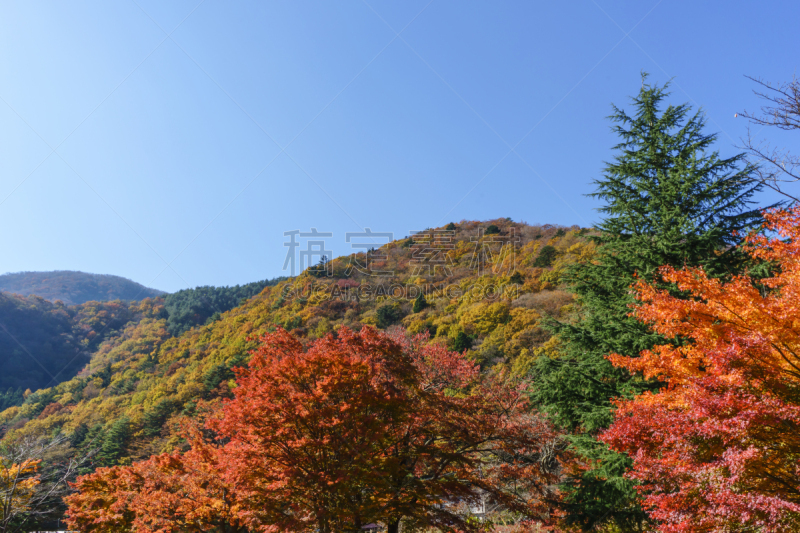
(782, 109)
(36, 472)
(775, 167)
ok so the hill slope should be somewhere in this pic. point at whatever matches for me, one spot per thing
(73, 287)
(44, 343)
(490, 301)
(188, 308)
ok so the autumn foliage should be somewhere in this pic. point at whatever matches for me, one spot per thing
(140, 374)
(18, 483)
(717, 449)
(170, 492)
(355, 428)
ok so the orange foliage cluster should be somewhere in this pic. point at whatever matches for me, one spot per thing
(718, 448)
(167, 493)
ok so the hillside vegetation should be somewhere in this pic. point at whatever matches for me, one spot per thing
(490, 301)
(44, 343)
(74, 288)
(193, 307)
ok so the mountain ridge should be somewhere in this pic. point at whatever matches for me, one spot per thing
(74, 287)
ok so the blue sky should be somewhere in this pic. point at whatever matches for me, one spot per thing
(174, 142)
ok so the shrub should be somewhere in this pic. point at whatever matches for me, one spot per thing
(461, 342)
(388, 314)
(545, 257)
(545, 303)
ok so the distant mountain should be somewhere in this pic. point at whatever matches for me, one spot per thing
(74, 288)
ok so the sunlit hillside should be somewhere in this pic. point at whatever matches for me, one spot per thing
(484, 287)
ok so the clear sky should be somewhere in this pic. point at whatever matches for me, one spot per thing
(174, 142)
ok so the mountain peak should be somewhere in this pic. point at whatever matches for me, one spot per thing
(73, 287)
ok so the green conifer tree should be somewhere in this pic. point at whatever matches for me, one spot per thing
(419, 303)
(114, 442)
(546, 256)
(669, 200)
(388, 314)
(155, 418)
(105, 375)
(461, 342)
(516, 278)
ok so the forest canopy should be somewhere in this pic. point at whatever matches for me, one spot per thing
(193, 307)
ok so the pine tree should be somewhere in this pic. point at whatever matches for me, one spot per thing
(114, 442)
(79, 435)
(419, 303)
(321, 268)
(461, 342)
(388, 314)
(105, 375)
(546, 256)
(669, 200)
(156, 417)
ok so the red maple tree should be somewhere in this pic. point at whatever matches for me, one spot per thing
(357, 428)
(718, 448)
(167, 493)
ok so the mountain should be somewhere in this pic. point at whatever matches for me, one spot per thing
(486, 288)
(74, 288)
(44, 343)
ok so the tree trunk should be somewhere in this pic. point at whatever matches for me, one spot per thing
(393, 525)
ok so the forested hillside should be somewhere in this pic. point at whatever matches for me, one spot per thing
(491, 299)
(44, 343)
(193, 307)
(75, 287)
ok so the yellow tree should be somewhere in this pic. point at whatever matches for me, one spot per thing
(34, 476)
(18, 484)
